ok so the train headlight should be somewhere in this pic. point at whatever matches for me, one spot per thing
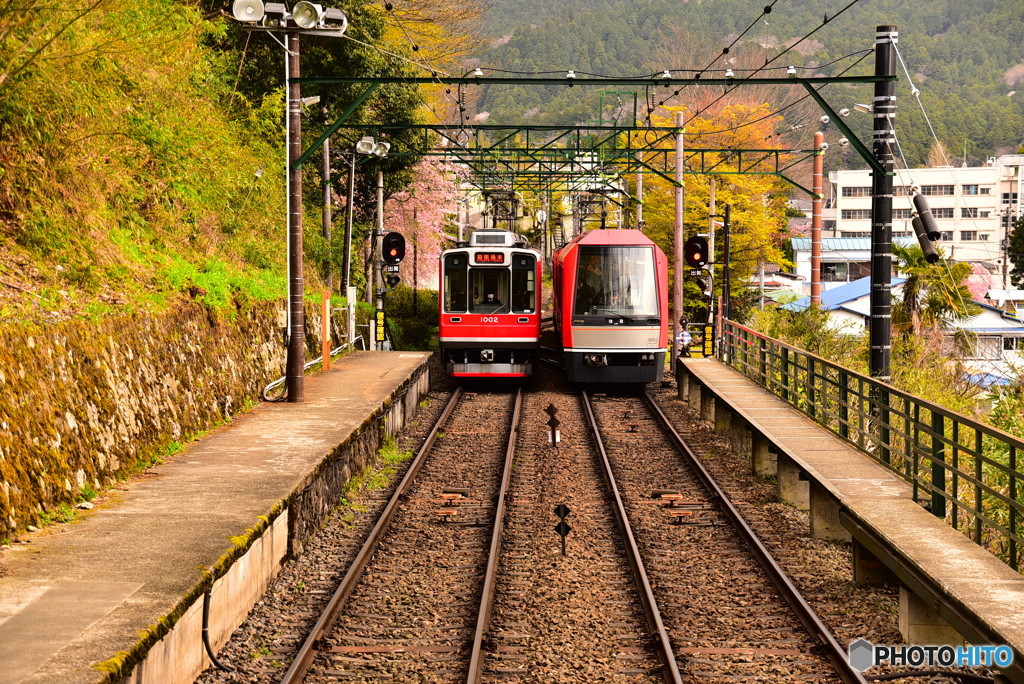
(487, 355)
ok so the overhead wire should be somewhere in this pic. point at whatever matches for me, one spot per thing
(764, 12)
(916, 93)
(728, 90)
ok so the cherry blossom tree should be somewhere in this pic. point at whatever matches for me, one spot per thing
(422, 213)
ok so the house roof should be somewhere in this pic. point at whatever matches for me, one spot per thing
(840, 297)
(986, 380)
(842, 244)
(1005, 294)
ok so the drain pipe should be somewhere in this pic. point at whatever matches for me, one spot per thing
(206, 632)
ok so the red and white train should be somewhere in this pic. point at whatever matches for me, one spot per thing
(490, 306)
(611, 307)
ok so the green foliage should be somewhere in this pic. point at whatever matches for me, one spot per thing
(1017, 253)
(122, 168)
(61, 514)
(960, 56)
(87, 492)
(809, 330)
(933, 296)
(141, 151)
(412, 325)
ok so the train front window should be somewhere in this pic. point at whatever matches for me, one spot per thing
(489, 290)
(616, 281)
(524, 283)
(455, 280)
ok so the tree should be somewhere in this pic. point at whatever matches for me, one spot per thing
(934, 295)
(758, 201)
(1017, 253)
(422, 211)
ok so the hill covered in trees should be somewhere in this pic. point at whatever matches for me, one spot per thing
(967, 59)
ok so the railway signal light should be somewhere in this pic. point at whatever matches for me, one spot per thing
(393, 248)
(695, 251)
(702, 279)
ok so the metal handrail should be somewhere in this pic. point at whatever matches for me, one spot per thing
(964, 471)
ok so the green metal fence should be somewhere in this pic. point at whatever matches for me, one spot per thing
(962, 470)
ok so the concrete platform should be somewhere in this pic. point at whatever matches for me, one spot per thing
(119, 592)
(947, 579)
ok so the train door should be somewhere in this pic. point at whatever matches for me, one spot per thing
(455, 283)
(524, 283)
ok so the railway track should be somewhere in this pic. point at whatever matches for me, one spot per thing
(410, 603)
(732, 613)
(585, 616)
(649, 593)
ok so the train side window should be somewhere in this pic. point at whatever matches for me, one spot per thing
(524, 283)
(455, 283)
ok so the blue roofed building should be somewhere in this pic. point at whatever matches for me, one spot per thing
(995, 355)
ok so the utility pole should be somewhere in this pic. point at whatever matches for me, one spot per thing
(346, 276)
(884, 104)
(415, 265)
(712, 212)
(817, 194)
(639, 196)
(378, 300)
(329, 275)
(726, 292)
(296, 356)
(677, 243)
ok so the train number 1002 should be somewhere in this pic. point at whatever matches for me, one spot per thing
(488, 319)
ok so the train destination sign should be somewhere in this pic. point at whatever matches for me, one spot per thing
(489, 258)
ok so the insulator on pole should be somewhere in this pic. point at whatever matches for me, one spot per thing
(931, 228)
(930, 255)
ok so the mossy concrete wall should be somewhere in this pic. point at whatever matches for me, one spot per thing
(86, 403)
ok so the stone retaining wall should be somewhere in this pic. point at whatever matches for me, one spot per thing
(85, 404)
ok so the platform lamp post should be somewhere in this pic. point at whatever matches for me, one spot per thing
(367, 147)
(310, 19)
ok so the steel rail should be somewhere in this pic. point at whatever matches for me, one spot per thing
(476, 661)
(810, 620)
(307, 652)
(670, 669)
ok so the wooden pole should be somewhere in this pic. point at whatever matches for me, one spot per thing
(325, 332)
(677, 241)
(817, 194)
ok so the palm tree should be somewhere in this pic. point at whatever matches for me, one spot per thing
(934, 295)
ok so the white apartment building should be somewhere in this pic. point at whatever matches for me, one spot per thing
(975, 207)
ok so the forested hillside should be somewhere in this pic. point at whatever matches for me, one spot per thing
(967, 59)
(142, 147)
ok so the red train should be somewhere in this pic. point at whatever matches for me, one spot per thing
(611, 307)
(490, 306)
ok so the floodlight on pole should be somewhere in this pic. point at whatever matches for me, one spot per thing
(365, 145)
(381, 149)
(248, 10)
(307, 15)
(311, 19)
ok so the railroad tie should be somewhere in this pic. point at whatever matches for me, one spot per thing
(452, 498)
(445, 513)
